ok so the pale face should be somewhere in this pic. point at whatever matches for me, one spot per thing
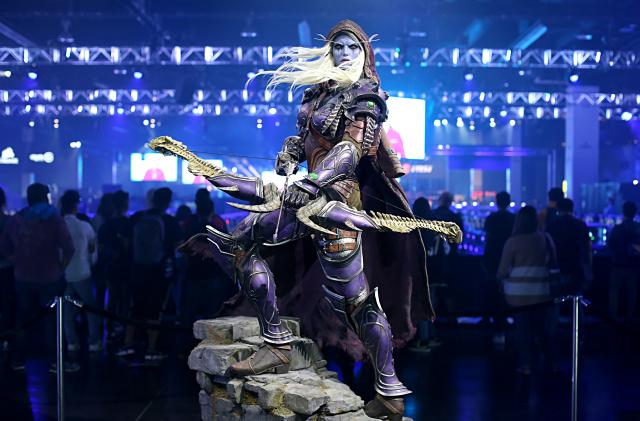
(345, 48)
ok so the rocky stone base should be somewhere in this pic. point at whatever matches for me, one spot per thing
(308, 392)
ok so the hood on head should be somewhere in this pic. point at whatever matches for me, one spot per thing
(354, 29)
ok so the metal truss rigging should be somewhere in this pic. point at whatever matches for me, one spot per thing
(268, 55)
(473, 105)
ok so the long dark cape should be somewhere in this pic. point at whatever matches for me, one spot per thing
(395, 263)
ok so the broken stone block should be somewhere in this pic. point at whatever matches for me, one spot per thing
(269, 395)
(204, 381)
(216, 359)
(304, 399)
(341, 398)
(226, 330)
(234, 390)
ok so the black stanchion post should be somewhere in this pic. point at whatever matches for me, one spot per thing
(60, 356)
(574, 366)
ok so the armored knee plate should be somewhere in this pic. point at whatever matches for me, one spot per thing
(374, 331)
(257, 283)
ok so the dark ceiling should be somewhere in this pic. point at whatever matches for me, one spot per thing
(585, 24)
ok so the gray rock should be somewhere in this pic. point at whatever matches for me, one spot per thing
(204, 381)
(341, 398)
(226, 330)
(320, 363)
(206, 410)
(254, 412)
(304, 399)
(327, 374)
(269, 395)
(305, 377)
(224, 406)
(234, 389)
(216, 359)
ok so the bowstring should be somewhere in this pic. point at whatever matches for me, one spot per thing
(369, 195)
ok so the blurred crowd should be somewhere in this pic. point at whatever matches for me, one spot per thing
(122, 262)
(126, 263)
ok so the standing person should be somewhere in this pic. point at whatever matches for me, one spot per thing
(573, 247)
(524, 268)
(444, 213)
(498, 228)
(39, 244)
(7, 283)
(548, 214)
(78, 274)
(156, 235)
(104, 212)
(424, 340)
(203, 197)
(114, 254)
(443, 261)
(624, 243)
(206, 286)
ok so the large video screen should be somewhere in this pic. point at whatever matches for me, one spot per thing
(406, 126)
(153, 167)
(188, 178)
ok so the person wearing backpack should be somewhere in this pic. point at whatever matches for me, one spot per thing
(155, 237)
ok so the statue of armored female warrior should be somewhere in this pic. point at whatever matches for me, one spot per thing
(340, 136)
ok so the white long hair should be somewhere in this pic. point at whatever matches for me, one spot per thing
(309, 66)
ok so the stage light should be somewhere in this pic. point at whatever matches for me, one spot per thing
(445, 122)
(120, 110)
(486, 112)
(471, 127)
(6, 73)
(468, 112)
(492, 124)
(539, 112)
(134, 95)
(273, 110)
(75, 145)
(401, 94)
(137, 75)
(145, 109)
(464, 203)
(512, 123)
(468, 76)
(475, 203)
(466, 98)
(523, 204)
(521, 72)
(492, 204)
(626, 116)
(217, 109)
(512, 204)
(635, 182)
(503, 113)
(440, 147)
(145, 122)
(32, 124)
(32, 75)
(574, 77)
(459, 122)
(437, 123)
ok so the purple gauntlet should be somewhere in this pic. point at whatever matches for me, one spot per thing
(250, 189)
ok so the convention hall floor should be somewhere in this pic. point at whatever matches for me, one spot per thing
(468, 377)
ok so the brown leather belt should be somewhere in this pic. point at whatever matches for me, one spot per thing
(339, 247)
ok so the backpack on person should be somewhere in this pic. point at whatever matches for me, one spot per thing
(148, 239)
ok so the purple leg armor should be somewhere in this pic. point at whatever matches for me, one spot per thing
(347, 291)
(253, 274)
(260, 289)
